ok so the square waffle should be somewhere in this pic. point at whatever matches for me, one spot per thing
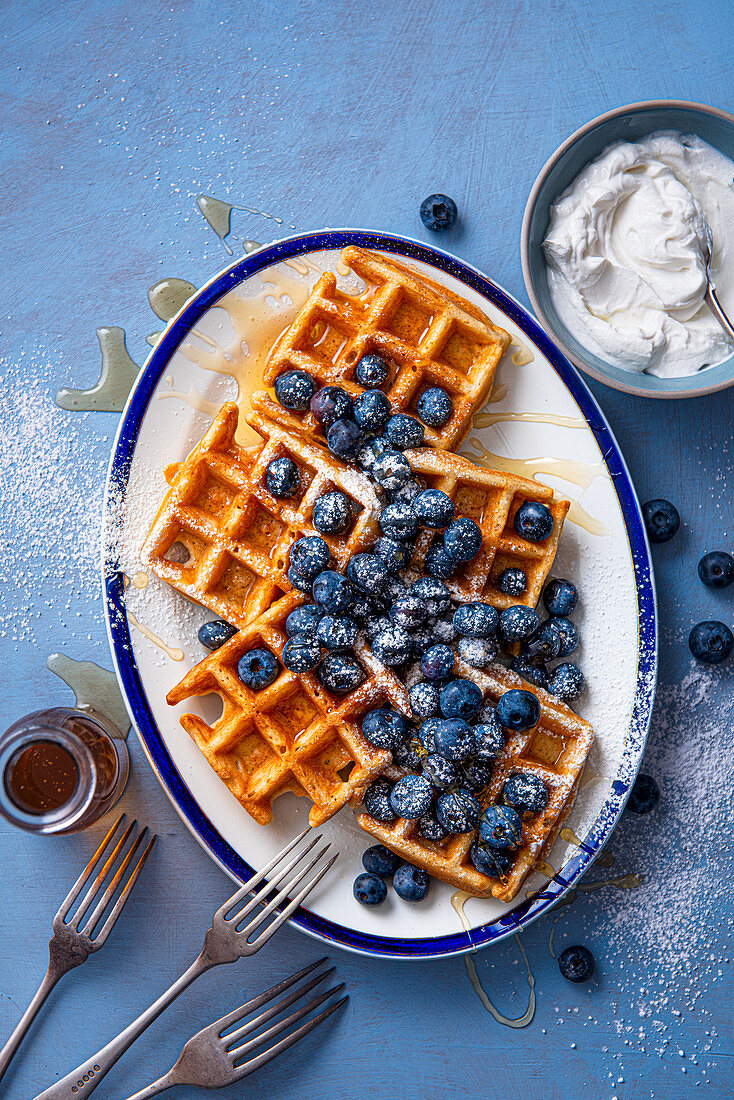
(555, 750)
(428, 335)
(293, 735)
(234, 535)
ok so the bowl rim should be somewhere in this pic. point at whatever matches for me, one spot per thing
(606, 116)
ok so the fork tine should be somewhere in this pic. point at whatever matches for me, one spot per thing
(84, 876)
(275, 925)
(253, 881)
(261, 896)
(276, 1009)
(234, 1017)
(267, 1055)
(101, 876)
(283, 893)
(104, 931)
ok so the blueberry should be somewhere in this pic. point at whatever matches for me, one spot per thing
(423, 639)
(716, 569)
(460, 699)
(369, 889)
(344, 439)
(532, 671)
(377, 800)
(463, 539)
(518, 710)
(458, 811)
(476, 620)
(644, 795)
(454, 739)
(369, 452)
(371, 371)
(408, 491)
(439, 562)
(385, 728)
(568, 635)
(340, 673)
(576, 964)
(391, 470)
(393, 554)
(282, 478)
(500, 827)
(545, 643)
(434, 508)
(332, 592)
(437, 662)
(337, 631)
(533, 521)
(443, 628)
(379, 860)
(477, 652)
(375, 625)
(566, 682)
(711, 641)
(294, 389)
(560, 597)
(301, 653)
(525, 792)
(303, 620)
(393, 590)
(332, 513)
(475, 775)
(404, 432)
(427, 733)
(430, 828)
(371, 410)
(367, 573)
(309, 556)
(406, 756)
(438, 212)
(434, 593)
(399, 521)
(423, 699)
(329, 404)
(411, 883)
(439, 771)
(392, 646)
(408, 612)
(364, 607)
(518, 622)
(216, 633)
(662, 520)
(512, 582)
(298, 581)
(489, 741)
(257, 668)
(492, 862)
(434, 407)
(411, 796)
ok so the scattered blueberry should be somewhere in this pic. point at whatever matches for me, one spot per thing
(476, 620)
(216, 633)
(566, 682)
(369, 889)
(437, 662)
(576, 964)
(340, 673)
(298, 581)
(560, 597)
(430, 828)
(439, 771)
(458, 811)
(332, 591)
(367, 572)
(434, 593)
(371, 371)
(518, 710)
(332, 513)
(301, 653)
(411, 796)
(711, 641)
(404, 432)
(393, 554)
(371, 410)
(492, 862)
(500, 827)
(391, 470)
(438, 562)
(454, 739)
(258, 668)
(662, 520)
(525, 792)
(294, 389)
(434, 508)
(532, 671)
(408, 612)
(533, 521)
(410, 883)
(545, 643)
(329, 404)
(384, 728)
(716, 569)
(477, 652)
(398, 521)
(644, 795)
(282, 478)
(344, 439)
(518, 622)
(434, 407)
(377, 800)
(489, 741)
(512, 582)
(392, 646)
(568, 634)
(309, 556)
(460, 699)
(379, 860)
(438, 212)
(337, 631)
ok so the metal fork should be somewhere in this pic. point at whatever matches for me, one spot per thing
(73, 942)
(224, 942)
(212, 1059)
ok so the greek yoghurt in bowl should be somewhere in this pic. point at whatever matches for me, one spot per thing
(625, 252)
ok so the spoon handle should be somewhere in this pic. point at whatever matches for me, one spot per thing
(714, 305)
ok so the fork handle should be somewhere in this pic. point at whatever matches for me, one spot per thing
(50, 979)
(155, 1088)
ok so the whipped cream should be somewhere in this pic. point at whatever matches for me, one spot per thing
(625, 250)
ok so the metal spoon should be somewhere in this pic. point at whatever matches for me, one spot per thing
(710, 297)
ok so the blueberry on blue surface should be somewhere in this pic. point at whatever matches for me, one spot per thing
(329, 404)
(369, 889)
(545, 643)
(662, 520)
(369, 452)
(392, 646)
(337, 631)
(492, 862)
(439, 771)
(644, 795)
(407, 757)
(438, 561)
(438, 212)
(437, 662)
(560, 597)
(434, 508)
(411, 883)
(371, 410)
(340, 673)
(716, 569)
(500, 827)
(385, 728)
(463, 539)
(476, 620)
(332, 591)
(534, 672)
(566, 682)
(391, 470)
(477, 652)
(427, 733)
(434, 594)
(518, 710)
(489, 740)
(393, 554)
(408, 612)
(430, 828)
(518, 622)
(309, 556)
(303, 620)
(533, 521)
(411, 796)
(576, 964)
(398, 521)
(216, 633)
(299, 582)
(282, 478)
(379, 860)
(512, 582)
(711, 641)
(301, 653)
(257, 668)
(371, 371)
(525, 792)
(377, 800)
(434, 407)
(568, 635)
(454, 739)
(332, 513)
(404, 432)
(460, 699)
(458, 811)
(294, 389)
(344, 439)
(475, 775)
(367, 573)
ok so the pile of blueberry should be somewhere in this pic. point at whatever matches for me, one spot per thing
(410, 883)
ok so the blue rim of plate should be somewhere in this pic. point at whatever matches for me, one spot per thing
(153, 744)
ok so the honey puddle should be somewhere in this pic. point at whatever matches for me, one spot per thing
(485, 420)
(94, 688)
(218, 215)
(170, 651)
(117, 375)
(499, 393)
(521, 354)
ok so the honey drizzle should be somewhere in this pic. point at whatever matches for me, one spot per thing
(520, 1021)
(170, 651)
(499, 393)
(194, 400)
(485, 420)
(523, 354)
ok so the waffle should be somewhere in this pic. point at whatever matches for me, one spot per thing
(429, 336)
(555, 750)
(233, 535)
(292, 736)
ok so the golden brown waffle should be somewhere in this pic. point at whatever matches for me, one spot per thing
(491, 497)
(555, 750)
(233, 535)
(294, 735)
(429, 336)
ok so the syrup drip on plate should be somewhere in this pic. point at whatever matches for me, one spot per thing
(94, 688)
(485, 420)
(170, 651)
(521, 353)
(117, 375)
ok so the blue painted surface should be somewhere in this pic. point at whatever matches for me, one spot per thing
(116, 117)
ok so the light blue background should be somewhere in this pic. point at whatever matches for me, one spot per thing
(115, 117)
